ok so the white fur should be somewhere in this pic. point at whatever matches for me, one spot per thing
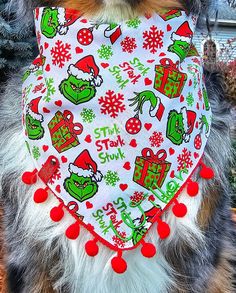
(79, 73)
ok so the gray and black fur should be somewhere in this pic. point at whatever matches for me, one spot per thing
(40, 257)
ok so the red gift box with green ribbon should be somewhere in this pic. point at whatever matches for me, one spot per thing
(170, 14)
(151, 169)
(64, 131)
(168, 79)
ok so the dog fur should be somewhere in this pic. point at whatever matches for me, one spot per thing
(196, 258)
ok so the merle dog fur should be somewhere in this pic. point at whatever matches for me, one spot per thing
(191, 262)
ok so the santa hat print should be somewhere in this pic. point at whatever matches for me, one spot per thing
(85, 166)
(33, 109)
(86, 69)
(183, 33)
(189, 118)
(65, 19)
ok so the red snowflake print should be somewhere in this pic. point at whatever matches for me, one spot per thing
(119, 242)
(112, 104)
(184, 160)
(156, 139)
(60, 53)
(38, 88)
(56, 176)
(137, 197)
(153, 39)
(128, 44)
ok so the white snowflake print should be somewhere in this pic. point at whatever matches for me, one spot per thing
(184, 160)
(112, 104)
(134, 22)
(56, 176)
(60, 53)
(128, 45)
(105, 52)
(156, 139)
(153, 39)
(137, 197)
(119, 242)
(87, 115)
(111, 178)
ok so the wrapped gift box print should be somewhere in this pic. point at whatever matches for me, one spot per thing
(168, 79)
(170, 14)
(151, 169)
(64, 131)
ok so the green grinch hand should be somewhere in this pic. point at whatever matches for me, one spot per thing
(203, 121)
(49, 22)
(143, 97)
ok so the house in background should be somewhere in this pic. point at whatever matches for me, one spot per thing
(221, 43)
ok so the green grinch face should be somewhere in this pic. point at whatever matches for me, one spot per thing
(81, 188)
(33, 127)
(76, 90)
(49, 22)
(175, 127)
(180, 48)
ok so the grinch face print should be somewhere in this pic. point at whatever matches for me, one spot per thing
(83, 78)
(82, 183)
(33, 120)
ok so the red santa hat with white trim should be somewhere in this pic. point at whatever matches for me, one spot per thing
(33, 109)
(86, 69)
(189, 118)
(66, 17)
(85, 166)
(183, 33)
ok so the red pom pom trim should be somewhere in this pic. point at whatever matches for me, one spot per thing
(207, 173)
(179, 210)
(148, 250)
(91, 248)
(41, 195)
(29, 178)
(72, 232)
(57, 213)
(163, 229)
(118, 264)
(192, 188)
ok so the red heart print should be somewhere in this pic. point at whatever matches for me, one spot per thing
(162, 54)
(123, 187)
(58, 188)
(190, 82)
(105, 65)
(79, 50)
(169, 28)
(88, 138)
(196, 155)
(147, 81)
(181, 98)
(171, 151)
(46, 45)
(39, 78)
(63, 159)
(89, 205)
(133, 143)
(84, 20)
(127, 166)
(48, 68)
(151, 198)
(58, 103)
(148, 126)
(172, 174)
(45, 148)
(45, 110)
(150, 61)
(198, 106)
(196, 125)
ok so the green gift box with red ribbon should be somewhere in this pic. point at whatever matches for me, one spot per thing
(151, 169)
(169, 80)
(64, 131)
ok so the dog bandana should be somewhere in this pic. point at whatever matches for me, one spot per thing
(116, 118)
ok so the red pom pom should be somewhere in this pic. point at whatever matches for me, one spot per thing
(163, 230)
(91, 248)
(207, 173)
(72, 232)
(29, 177)
(119, 265)
(179, 210)
(148, 250)
(57, 213)
(40, 195)
(192, 188)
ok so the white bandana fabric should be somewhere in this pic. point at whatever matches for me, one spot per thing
(124, 109)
